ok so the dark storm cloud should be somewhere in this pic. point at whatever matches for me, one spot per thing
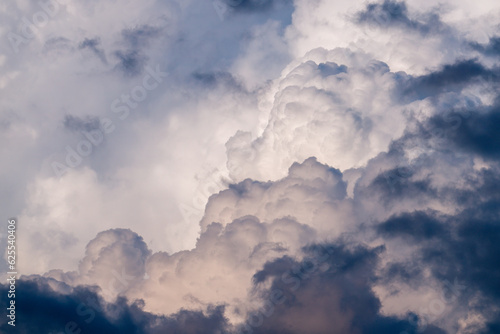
(94, 45)
(77, 124)
(259, 10)
(416, 225)
(396, 184)
(252, 5)
(478, 133)
(450, 78)
(395, 14)
(474, 129)
(468, 254)
(131, 62)
(408, 272)
(492, 48)
(492, 328)
(39, 309)
(461, 247)
(330, 291)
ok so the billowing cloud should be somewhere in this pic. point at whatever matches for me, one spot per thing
(334, 105)
(253, 166)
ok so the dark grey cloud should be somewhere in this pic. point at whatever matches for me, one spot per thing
(472, 129)
(396, 184)
(40, 309)
(460, 248)
(131, 62)
(329, 291)
(492, 328)
(132, 58)
(395, 14)
(93, 44)
(479, 133)
(244, 11)
(492, 48)
(450, 78)
(454, 247)
(244, 6)
(470, 254)
(78, 124)
(417, 226)
(213, 79)
(408, 272)
(330, 68)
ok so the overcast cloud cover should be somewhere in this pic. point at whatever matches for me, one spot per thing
(251, 166)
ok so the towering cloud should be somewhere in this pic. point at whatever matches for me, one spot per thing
(335, 105)
(253, 166)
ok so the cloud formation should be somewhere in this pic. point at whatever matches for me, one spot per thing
(297, 167)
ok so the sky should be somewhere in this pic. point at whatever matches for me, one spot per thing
(251, 166)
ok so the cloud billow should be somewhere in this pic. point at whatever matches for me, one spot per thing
(334, 170)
